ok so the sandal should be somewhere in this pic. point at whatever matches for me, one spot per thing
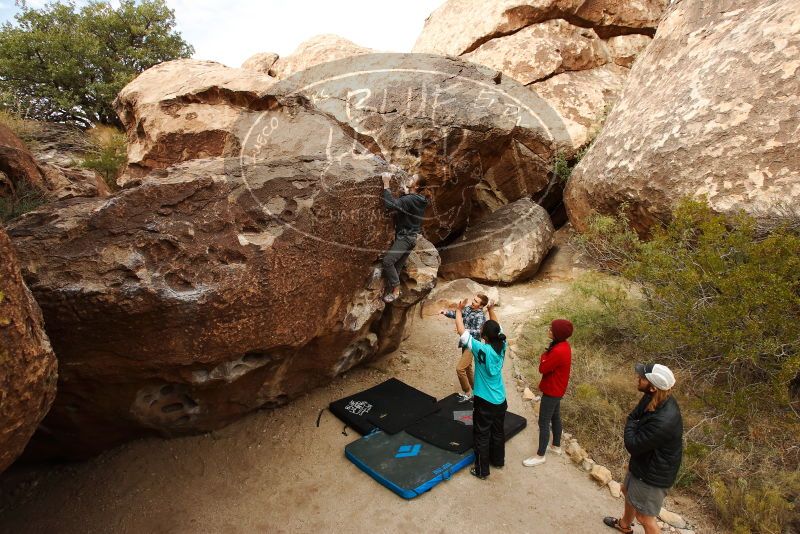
(613, 522)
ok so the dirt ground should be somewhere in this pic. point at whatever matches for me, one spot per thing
(275, 471)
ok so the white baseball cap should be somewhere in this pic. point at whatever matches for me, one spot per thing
(659, 375)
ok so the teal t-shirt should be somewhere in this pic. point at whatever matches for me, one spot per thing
(488, 369)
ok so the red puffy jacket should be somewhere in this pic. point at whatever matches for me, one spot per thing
(555, 366)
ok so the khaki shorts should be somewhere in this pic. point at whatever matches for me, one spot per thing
(645, 498)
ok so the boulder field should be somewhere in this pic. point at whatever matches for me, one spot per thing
(238, 266)
(575, 54)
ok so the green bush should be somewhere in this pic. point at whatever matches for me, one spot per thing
(718, 299)
(722, 306)
(720, 302)
(24, 199)
(748, 507)
(609, 241)
(107, 154)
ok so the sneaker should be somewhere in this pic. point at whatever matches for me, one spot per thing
(474, 473)
(463, 397)
(389, 298)
(555, 450)
(533, 461)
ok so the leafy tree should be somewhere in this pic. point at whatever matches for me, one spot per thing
(61, 64)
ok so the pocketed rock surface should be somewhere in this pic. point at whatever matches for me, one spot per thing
(27, 363)
(711, 109)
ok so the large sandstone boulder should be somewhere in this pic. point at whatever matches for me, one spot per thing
(318, 49)
(481, 140)
(543, 50)
(179, 305)
(214, 287)
(507, 246)
(27, 362)
(711, 108)
(583, 99)
(461, 26)
(236, 269)
(185, 109)
(561, 49)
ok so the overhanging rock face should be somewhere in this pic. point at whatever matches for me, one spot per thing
(480, 139)
(214, 287)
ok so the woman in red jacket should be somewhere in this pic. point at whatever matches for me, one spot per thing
(555, 365)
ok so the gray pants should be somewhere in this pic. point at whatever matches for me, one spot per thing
(395, 259)
(549, 412)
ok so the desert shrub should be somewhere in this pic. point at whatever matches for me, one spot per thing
(563, 166)
(23, 128)
(718, 300)
(609, 241)
(760, 507)
(723, 306)
(107, 153)
(23, 199)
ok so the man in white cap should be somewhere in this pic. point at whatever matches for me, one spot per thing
(654, 439)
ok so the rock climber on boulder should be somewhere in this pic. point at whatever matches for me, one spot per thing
(408, 212)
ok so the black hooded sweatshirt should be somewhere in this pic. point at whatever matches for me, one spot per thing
(409, 211)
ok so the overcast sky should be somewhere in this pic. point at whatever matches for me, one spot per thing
(231, 31)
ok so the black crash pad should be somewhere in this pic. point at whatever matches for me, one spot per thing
(391, 406)
(450, 428)
(406, 465)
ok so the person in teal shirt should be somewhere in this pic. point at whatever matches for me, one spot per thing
(489, 412)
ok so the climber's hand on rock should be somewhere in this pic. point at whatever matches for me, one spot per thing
(386, 177)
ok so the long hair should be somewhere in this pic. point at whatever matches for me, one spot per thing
(491, 332)
(658, 398)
